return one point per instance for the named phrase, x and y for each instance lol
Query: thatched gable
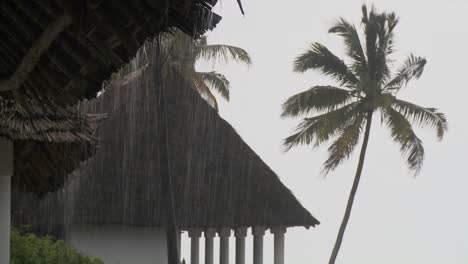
(218, 179)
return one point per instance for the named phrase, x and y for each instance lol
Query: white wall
(121, 244)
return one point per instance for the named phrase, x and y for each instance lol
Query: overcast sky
(396, 218)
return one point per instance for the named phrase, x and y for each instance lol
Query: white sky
(396, 218)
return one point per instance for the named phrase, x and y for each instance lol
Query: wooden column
(209, 246)
(6, 171)
(258, 232)
(278, 232)
(240, 234)
(194, 235)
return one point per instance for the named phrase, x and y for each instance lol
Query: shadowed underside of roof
(87, 40)
(99, 36)
(218, 179)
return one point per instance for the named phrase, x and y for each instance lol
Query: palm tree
(181, 53)
(365, 86)
(186, 52)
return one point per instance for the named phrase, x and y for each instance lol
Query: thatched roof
(49, 141)
(46, 122)
(219, 180)
(88, 40)
(55, 53)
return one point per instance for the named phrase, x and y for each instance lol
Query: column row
(240, 233)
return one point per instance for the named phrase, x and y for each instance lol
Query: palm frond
(378, 29)
(216, 81)
(370, 25)
(353, 44)
(386, 36)
(318, 57)
(401, 131)
(365, 17)
(205, 92)
(344, 145)
(318, 99)
(423, 116)
(384, 45)
(413, 67)
(240, 7)
(320, 128)
(224, 53)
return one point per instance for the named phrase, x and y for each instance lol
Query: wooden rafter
(98, 37)
(32, 57)
(108, 21)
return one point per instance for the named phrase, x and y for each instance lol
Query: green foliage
(316, 99)
(339, 114)
(178, 54)
(30, 249)
(216, 81)
(319, 129)
(186, 52)
(365, 86)
(318, 57)
(224, 53)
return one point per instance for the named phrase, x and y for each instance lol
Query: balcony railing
(240, 235)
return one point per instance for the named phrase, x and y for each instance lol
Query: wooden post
(6, 171)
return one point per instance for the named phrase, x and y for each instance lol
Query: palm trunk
(357, 177)
(167, 194)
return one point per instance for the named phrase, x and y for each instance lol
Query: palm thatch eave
(49, 141)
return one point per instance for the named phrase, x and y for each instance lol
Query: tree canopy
(342, 114)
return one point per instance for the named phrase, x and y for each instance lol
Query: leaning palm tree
(343, 114)
(185, 52)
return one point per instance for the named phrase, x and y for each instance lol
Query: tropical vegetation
(179, 54)
(185, 52)
(343, 114)
(30, 249)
